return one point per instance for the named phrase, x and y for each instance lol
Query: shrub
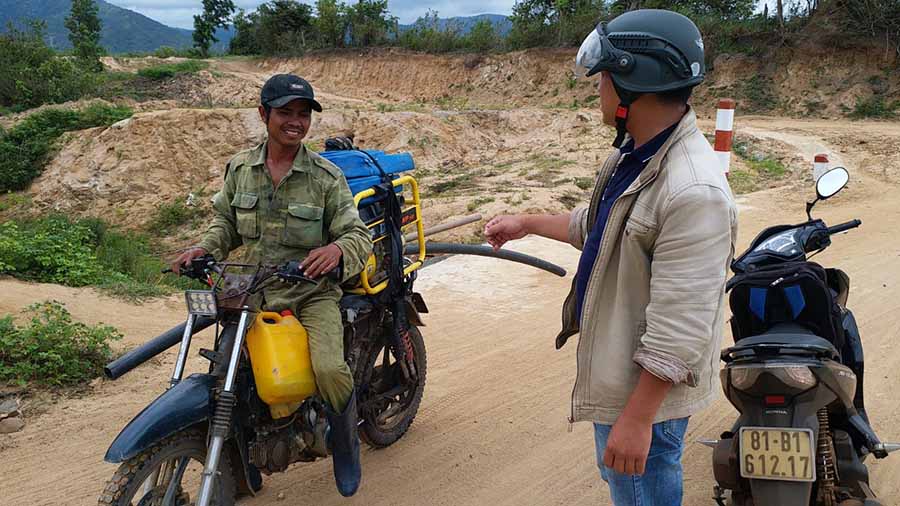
(169, 70)
(52, 349)
(584, 183)
(875, 107)
(172, 215)
(428, 35)
(165, 52)
(55, 249)
(26, 147)
(32, 74)
(52, 250)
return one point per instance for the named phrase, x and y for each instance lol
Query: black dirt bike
(213, 434)
(207, 439)
(795, 375)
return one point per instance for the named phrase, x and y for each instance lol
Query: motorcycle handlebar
(843, 227)
(291, 272)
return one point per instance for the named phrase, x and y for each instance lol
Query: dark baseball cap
(283, 88)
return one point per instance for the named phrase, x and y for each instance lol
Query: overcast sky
(180, 13)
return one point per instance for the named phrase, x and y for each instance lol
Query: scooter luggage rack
(365, 287)
(736, 353)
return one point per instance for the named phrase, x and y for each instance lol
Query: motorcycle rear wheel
(143, 479)
(388, 405)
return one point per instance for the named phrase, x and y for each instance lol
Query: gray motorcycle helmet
(645, 51)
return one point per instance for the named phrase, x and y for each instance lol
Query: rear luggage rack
(770, 350)
(411, 216)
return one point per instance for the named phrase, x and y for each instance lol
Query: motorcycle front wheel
(169, 473)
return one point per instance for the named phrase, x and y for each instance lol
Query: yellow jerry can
(282, 368)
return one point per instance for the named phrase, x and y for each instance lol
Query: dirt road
(492, 428)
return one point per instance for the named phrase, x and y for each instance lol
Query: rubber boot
(344, 443)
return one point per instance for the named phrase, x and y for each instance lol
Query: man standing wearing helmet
(285, 203)
(648, 299)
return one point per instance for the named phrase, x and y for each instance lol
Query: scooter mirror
(831, 182)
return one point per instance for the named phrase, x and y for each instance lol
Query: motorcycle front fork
(221, 421)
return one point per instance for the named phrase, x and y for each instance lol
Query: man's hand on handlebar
(322, 260)
(184, 259)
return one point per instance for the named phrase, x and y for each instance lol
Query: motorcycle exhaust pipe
(118, 367)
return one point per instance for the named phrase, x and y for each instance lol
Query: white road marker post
(725, 132)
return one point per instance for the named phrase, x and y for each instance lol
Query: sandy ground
(492, 427)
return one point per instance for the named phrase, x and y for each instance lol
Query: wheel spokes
(175, 482)
(388, 391)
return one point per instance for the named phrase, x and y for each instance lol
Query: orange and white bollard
(820, 166)
(725, 132)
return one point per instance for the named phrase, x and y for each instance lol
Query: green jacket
(310, 208)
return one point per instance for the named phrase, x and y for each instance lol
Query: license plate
(777, 454)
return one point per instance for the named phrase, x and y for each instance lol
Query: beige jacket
(656, 296)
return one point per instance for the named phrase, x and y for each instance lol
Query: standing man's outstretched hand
(502, 229)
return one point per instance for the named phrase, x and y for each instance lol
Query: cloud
(180, 13)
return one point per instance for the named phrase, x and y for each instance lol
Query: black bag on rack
(796, 292)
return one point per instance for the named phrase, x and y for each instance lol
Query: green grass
(26, 148)
(769, 167)
(545, 170)
(741, 181)
(570, 199)
(170, 216)
(759, 93)
(451, 103)
(875, 107)
(51, 349)
(480, 201)
(169, 70)
(14, 201)
(461, 182)
(761, 168)
(584, 183)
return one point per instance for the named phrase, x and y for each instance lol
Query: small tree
(483, 37)
(285, 27)
(245, 37)
(331, 22)
(84, 27)
(215, 14)
(370, 23)
(31, 74)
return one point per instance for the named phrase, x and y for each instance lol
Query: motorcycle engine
(280, 444)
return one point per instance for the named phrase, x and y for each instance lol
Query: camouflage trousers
(321, 317)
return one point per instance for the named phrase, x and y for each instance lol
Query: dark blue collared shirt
(630, 166)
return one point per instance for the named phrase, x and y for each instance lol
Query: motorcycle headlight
(201, 302)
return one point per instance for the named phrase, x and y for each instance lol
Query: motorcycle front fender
(178, 408)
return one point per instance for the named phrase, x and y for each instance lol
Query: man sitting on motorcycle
(284, 202)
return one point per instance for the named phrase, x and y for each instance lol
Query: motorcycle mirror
(832, 182)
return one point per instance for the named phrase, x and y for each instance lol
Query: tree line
(288, 27)
(32, 74)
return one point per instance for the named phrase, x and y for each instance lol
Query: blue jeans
(661, 484)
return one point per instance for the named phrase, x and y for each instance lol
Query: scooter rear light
(791, 376)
